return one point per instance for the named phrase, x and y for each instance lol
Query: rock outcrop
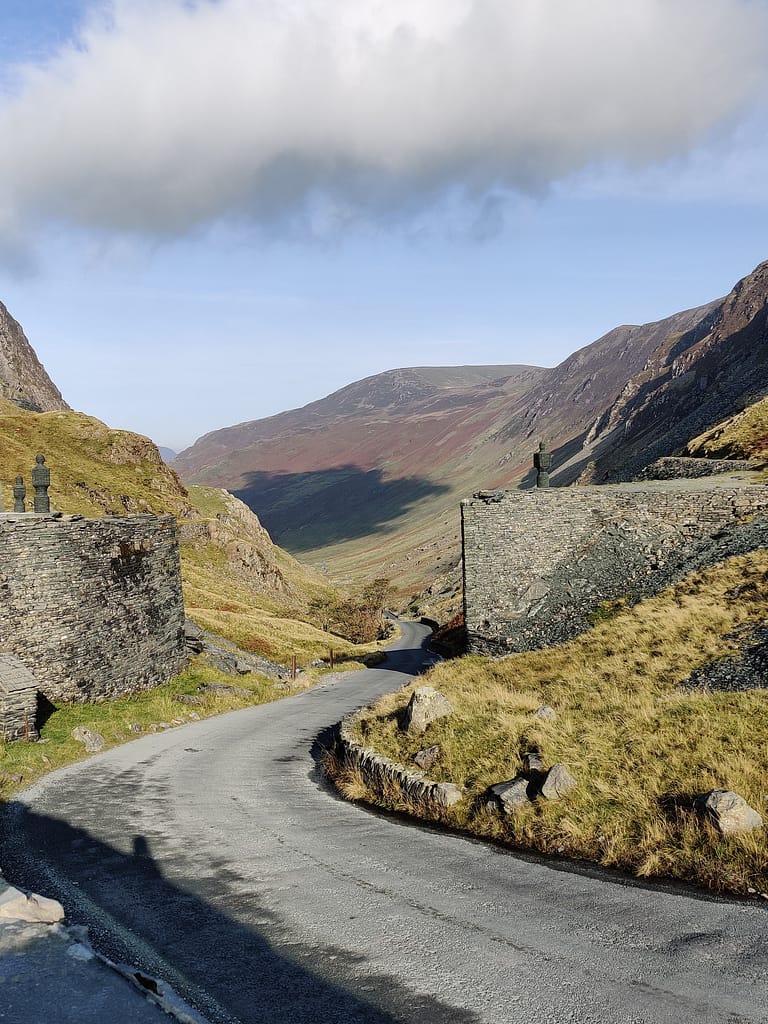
(23, 379)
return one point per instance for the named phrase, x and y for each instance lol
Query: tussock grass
(639, 746)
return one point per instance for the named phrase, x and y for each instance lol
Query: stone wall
(93, 607)
(539, 563)
(677, 467)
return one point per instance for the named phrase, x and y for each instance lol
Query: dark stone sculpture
(19, 494)
(41, 481)
(542, 461)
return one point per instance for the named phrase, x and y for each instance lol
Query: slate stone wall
(679, 467)
(539, 563)
(93, 607)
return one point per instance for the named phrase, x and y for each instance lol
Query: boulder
(511, 796)
(426, 706)
(18, 906)
(557, 783)
(545, 713)
(93, 741)
(729, 812)
(428, 758)
(242, 667)
(135, 727)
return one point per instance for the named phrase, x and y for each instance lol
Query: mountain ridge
(411, 449)
(23, 378)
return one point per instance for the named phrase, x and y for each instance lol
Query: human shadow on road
(221, 946)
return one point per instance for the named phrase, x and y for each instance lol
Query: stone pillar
(19, 495)
(542, 461)
(41, 481)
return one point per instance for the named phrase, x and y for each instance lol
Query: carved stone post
(19, 494)
(41, 481)
(542, 461)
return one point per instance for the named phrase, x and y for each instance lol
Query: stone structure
(18, 700)
(382, 775)
(542, 463)
(41, 481)
(19, 495)
(539, 563)
(92, 606)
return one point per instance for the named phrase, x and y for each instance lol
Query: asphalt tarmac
(215, 857)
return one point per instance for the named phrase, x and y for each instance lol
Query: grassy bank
(639, 745)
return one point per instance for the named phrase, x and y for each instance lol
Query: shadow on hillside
(223, 947)
(303, 511)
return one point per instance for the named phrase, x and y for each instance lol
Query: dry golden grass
(743, 436)
(638, 745)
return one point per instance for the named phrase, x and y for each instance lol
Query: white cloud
(165, 115)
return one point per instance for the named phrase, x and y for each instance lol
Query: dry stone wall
(93, 607)
(539, 563)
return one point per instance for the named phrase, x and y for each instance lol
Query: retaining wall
(539, 563)
(380, 773)
(93, 607)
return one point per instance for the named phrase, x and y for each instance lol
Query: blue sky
(212, 212)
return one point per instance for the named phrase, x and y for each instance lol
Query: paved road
(214, 856)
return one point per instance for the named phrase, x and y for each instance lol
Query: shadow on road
(219, 945)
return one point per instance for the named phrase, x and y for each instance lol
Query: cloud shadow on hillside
(303, 511)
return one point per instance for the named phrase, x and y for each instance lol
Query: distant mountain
(236, 582)
(369, 478)
(23, 379)
(166, 454)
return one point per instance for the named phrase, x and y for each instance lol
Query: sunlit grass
(638, 745)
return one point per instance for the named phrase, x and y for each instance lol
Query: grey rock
(533, 762)
(225, 689)
(426, 706)
(446, 794)
(545, 713)
(194, 716)
(93, 741)
(511, 796)
(428, 758)
(242, 667)
(135, 727)
(729, 812)
(558, 783)
(192, 631)
(12, 777)
(188, 698)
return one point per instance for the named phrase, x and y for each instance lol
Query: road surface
(214, 856)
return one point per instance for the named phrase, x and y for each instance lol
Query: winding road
(214, 856)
